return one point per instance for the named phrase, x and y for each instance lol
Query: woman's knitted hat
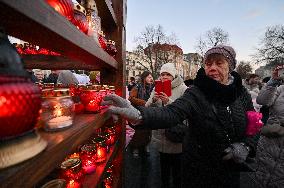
(169, 68)
(227, 51)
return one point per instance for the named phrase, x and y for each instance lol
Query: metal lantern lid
(88, 148)
(99, 140)
(50, 93)
(57, 183)
(71, 163)
(11, 63)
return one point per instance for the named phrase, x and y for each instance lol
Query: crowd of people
(215, 146)
(65, 77)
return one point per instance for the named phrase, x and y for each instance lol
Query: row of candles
(58, 106)
(85, 19)
(31, 49)
(77, 165)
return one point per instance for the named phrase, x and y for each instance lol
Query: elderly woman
(215, 144)
(270, 152)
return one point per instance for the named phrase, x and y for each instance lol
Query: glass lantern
(57, 109)
(88, 157)
(101, 146)
(90, 99)
(108, 180)
(72, 172)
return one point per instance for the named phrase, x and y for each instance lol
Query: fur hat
(227, 51)
(169, 68)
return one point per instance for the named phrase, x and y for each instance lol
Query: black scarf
(144, 91)
(217, 92)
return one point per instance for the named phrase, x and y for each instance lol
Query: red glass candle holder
(48, 85)
(111, 49)
(88, 157)
(108, 138)
(64, 7)
(19, 107)
(80, 19)
(108, 180)
(111, 90)
(72, 172)
(102, 40)
(101, 146)
(73, 184)
(91, 100)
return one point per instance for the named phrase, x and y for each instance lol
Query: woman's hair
(144, 76)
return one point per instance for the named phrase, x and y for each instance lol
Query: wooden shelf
(38, 23)
(54, 63)
(60, 144)
(107, 15)
(92, 180)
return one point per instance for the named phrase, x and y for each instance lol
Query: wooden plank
(60, 144)
(107, 15)
(55, 63)
(38, 23)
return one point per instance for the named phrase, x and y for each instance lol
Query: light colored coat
(270, 152)
(159, 139)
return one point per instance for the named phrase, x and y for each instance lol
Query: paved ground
(144, 172)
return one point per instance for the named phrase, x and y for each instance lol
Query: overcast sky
(244, 20)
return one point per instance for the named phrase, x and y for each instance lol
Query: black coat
(216, 115)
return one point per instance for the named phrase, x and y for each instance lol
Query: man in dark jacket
(215, 146)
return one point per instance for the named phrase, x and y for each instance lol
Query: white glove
(238, 152)
(120, 106)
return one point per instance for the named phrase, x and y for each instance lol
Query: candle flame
(57, 111)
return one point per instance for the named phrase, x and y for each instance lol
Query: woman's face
(149, 79)
(166, 76)
(217, 68)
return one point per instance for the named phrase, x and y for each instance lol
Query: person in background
(131, 84)
(95, 77)
(265, 109)
(216, 145)
(66, 77)
(32, 76)
(253, 85)
(170, 152)
(138, 97)
(38, 74)
(52, 77)
(270, 150)
(81, 77)
(137, 79)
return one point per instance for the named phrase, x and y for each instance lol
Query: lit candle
(101, 154)
(59, 121)
(72, 172)
(88, 157)
(100, 143)
(73, 184)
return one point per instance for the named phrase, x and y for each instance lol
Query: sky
(244, 20)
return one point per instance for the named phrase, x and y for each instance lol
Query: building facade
(186, 64)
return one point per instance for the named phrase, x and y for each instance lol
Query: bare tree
(271, 50)
(244, 69)
(154, 48)
(211, 38)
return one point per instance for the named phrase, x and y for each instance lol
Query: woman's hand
(165, 99)
(275, 75)
(156, 97)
